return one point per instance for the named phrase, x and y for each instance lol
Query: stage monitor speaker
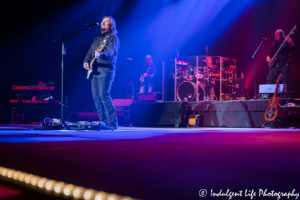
(266, 91)
(123, 111)
(149, 97)
(122, 104)
(240, 87)
(159, 114)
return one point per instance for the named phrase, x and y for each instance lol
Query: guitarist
(147, 78)
(104, 69)
(282, 63)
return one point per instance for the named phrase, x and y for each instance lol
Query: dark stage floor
(158, 163)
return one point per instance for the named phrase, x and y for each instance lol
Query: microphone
(264, 38)
(177, 53)
(206, 49)
(92, 24)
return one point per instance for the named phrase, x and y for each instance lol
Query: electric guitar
(274, 58)
(273, 111)
(143, 76)
(93, 61)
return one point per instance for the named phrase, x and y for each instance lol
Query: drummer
(211, 68)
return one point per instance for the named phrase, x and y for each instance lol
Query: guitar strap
(103, 41)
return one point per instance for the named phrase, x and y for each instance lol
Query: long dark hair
(282, 37)
(113, 25)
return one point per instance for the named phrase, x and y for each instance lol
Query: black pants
(101, 85)
(284, 70)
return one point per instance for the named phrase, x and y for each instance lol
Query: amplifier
(123, 110)
(266, 91)
(149, 97)
(159, 114)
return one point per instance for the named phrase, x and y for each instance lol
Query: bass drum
(187, 91)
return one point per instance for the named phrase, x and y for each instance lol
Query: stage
(231, 114)
(153, 163)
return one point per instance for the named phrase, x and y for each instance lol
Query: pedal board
(82, 125)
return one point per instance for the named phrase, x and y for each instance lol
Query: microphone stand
(63, 39)
(254, 56)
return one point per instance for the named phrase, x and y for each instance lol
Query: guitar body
(89, 72)
(271, 64)
(143, 77)
(273, 111)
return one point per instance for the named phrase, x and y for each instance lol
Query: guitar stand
(271, 124)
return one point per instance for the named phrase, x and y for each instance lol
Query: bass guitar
(273, 111)
(274, 58)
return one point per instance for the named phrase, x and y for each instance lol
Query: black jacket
(283, 54)
(110, 50)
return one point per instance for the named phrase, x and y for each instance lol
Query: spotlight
(87, 195)
(28, 178)
(22, 176)
(4, 172)
(10, 173)
(41, 182)
(112, 197)
(68, 189)
(100, 196)
(34, 180)
(16, 175)
(77, 192)
(58, 188)
(49, 185)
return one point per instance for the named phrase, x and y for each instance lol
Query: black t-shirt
(283, 54)
(152, 71)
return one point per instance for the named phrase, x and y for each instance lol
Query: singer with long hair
(104, 70)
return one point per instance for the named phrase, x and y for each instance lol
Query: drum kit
(190, 78)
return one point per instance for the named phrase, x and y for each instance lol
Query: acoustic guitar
(273, 111)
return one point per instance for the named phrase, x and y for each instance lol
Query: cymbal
(223, 59)
(182, 62)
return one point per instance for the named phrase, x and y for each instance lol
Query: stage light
(41, 182)
(58, 187)
(4, 172)
(10, 173)
(16, 175)
(99, 196)
(49, 185)
(34, 180)
(77, 192)
(68, 189)
(87, 195)
(126, 198)
(22, 176)
(113, 197)
(28, 178)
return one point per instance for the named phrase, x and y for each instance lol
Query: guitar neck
(99, 50)
(276, 91)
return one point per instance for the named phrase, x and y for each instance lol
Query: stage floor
(156, 163)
